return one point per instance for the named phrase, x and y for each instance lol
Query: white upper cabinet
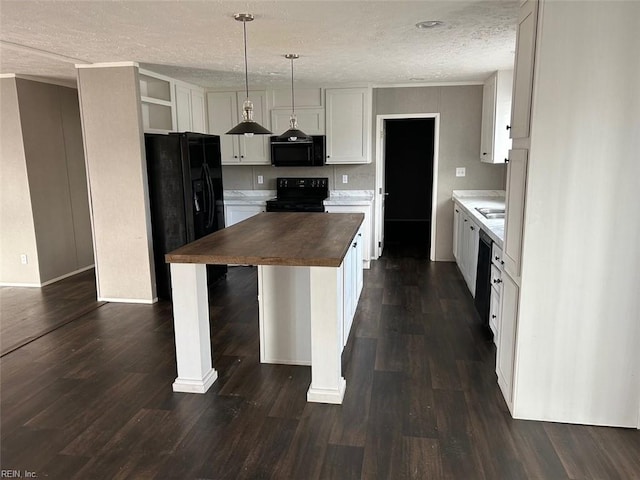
(183, 108)
(156, 102)
(198, 112)
(496, 116)
(348, 125)
(224, 111)
(310, 120)
(524, 67)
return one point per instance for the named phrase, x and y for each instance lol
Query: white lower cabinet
(506, 347)
(466, 238)
(494, 313)
(365, 228)
(236, 213)
(353, 283)
(284, 305)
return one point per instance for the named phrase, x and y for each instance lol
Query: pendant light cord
(246, 65)
(293, 102)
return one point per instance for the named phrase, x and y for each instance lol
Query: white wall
(46, 211)
(460, 109)
(16, 220)
(116, 167)
(579, 330)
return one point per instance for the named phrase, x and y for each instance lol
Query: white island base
(301, 323)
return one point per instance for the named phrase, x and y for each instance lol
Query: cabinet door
(365, 228)
(471, 255)
(198, 112)
(236, 213)
(347, 125)
(506, 348)
(254, 150)
(456, 230)
(310, 120)
(222, 109)
(523, 72)
(359, 270)
(494, 313)
(183, 108)
(488, 119)
(349, 293)
(514, 211)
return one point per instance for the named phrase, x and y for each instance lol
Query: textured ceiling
(199, 42)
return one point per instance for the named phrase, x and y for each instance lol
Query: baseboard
(195, 386)
(128, 300)
(14, 284)
(48, 282)
(67, 275)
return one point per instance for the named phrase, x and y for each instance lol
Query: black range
(299, 194)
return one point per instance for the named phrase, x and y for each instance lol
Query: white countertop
(259, 197)
(349, 197)
(248, 197)
(469, 200)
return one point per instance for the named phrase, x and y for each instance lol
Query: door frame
(380, 164)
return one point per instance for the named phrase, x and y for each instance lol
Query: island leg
(191, 326)
(327, 383)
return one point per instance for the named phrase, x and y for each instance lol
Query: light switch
(345, 178)
(260, 179)
(461, 171)
(24, 259)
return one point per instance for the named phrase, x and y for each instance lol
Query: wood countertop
(276, 238)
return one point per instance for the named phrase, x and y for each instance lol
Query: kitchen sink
(491, 212)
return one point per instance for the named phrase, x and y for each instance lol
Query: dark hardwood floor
(92, 399)
(28, 313)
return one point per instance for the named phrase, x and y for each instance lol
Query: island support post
(191, 326)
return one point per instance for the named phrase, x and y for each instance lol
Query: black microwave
(309, 152)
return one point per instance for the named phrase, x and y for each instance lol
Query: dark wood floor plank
(342, 463)
(309, 443)
(28, 313)
(422, 458)
(93, 398)
(579, 453)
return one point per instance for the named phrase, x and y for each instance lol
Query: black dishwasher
(483, 278)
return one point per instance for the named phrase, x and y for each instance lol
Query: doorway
(408, 156)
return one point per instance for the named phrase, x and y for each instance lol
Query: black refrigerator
(185, 195)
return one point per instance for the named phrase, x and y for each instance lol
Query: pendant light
(293, 134)
(247, 126)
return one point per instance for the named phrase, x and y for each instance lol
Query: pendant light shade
(247, 126)
(293, 134)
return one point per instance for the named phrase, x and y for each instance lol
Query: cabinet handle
(465, 219)
(484, 153)
(506, 160)
(355, 245)
(235, 156)
(472, 228)
(494, 316)
(241, 156)
(497, 258)
(457, 211)
(328, 156)
(497, 280)
(508, 127)
(501, 262)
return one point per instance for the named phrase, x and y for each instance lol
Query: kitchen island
(301, 272)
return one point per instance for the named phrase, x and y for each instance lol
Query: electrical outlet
(260, 179)
(24, 259)
(345, 178)
(461, 171)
